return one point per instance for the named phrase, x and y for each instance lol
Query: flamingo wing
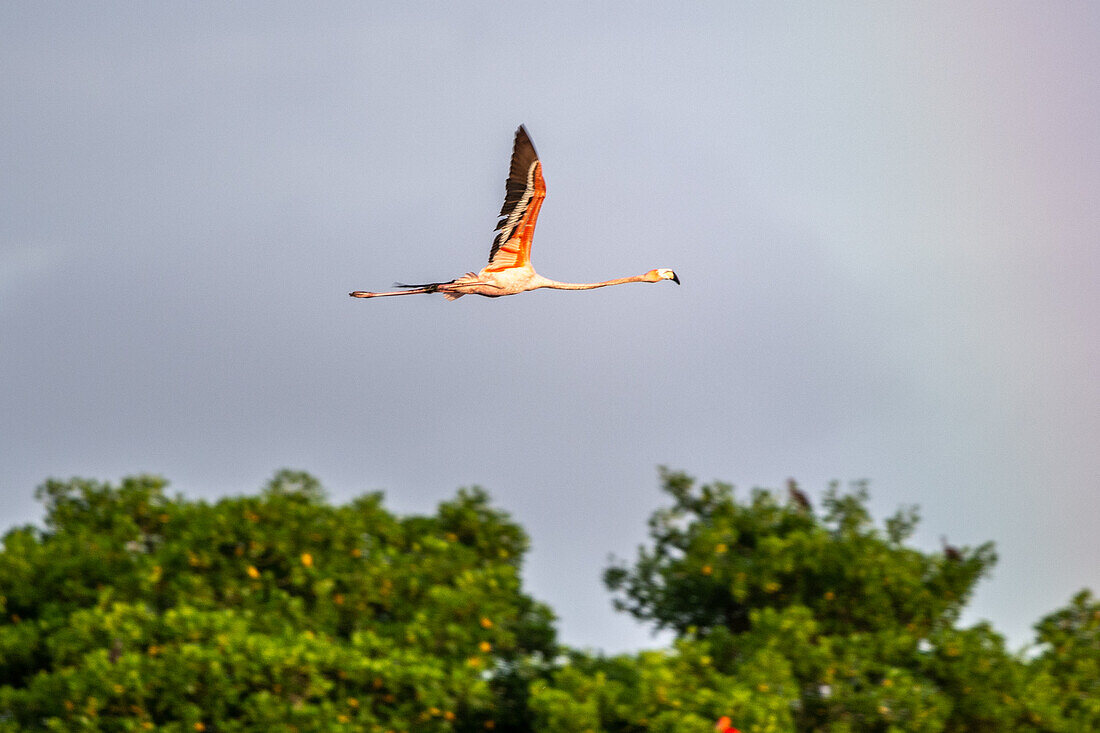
(524, 192)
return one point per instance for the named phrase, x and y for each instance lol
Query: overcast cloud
(884, 217)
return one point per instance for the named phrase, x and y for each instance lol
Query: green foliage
(855, 631)
(679, 691)
(714, 560)
(132, 610)
(136, 611)
(1067, 672)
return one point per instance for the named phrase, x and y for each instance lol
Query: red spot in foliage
(725, 725)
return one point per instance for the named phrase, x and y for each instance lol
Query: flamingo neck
(591, 286)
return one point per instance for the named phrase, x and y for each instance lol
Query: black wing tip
(524, 137)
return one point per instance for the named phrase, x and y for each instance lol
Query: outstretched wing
(524, 192)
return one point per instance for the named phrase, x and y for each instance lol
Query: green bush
(132, 610)
(825, 622)
(136, 611)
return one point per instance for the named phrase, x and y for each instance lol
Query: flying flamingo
(509, 270)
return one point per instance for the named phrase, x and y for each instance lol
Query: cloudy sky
(884, 216)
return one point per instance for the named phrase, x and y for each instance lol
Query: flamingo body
(509, 270)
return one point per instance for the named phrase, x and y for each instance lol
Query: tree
(1066, 672)
(714, 560)
(682, 690)
(132, 610)
(858, 629)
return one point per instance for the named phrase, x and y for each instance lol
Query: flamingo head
(662, 273)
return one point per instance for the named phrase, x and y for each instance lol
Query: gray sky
(884, 217)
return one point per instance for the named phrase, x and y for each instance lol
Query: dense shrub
(132, 610)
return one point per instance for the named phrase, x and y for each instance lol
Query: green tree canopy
(1067, 668)
(133, 610)
(715, 560)
(793, 620)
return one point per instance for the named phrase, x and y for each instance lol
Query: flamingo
(509, 270)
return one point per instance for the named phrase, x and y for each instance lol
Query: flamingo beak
(675, 278)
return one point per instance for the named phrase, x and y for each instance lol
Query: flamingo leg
(365, 294)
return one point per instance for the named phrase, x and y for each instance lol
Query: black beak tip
(675, 278)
